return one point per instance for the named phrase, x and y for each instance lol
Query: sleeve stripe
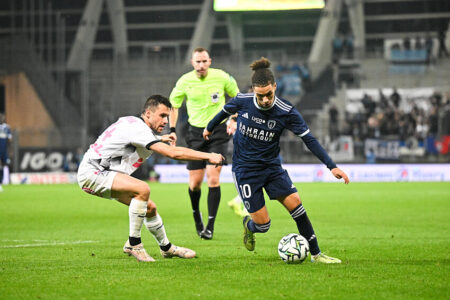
(151, 143)
(304, 133)
(226, 111)
(282, 104)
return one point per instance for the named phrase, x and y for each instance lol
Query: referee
(204, 89)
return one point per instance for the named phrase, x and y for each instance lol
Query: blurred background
(371, 77)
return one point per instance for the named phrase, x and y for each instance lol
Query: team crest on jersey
(215, 97)
(271, 124)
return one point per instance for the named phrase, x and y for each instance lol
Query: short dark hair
(262, 75)
(154, 100)
(200, 49)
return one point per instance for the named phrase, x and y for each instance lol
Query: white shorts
(94, 181)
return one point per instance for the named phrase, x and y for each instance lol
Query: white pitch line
(49, 244)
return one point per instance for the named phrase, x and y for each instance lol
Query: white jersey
(122, 147)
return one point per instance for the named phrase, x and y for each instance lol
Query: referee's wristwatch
(172, 129)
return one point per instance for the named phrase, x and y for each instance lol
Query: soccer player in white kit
(119, 151)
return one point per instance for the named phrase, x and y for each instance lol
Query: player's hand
(216, 159)
(338, 173)
(173, 136)
(231, 127)
(167, 138)
(206, 134)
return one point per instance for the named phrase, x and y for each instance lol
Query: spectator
(333, 116)
(418, 43)
(369, 105)
(429, 47)
(407, 43)
(395, 98)
(370, 156)
(442, 47)
(383, 101)
(338, 47)
(349, 45)
(305, 76)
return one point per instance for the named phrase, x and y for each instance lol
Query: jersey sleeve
(228, 109)
(177, 95)
(232, 106)
(314, 146)
(231, 87)
(296, 123)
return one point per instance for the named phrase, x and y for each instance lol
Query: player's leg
(155, 225)
(249, 187)
(218, 143)
(214, 195)
(134, 193)
(255, 222)
(196, 169)
(295, 207)
(1, 173)
(196, 175)
(293, 204)
(237, 206)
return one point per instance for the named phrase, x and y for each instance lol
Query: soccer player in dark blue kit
(5, 138)
(262, 117)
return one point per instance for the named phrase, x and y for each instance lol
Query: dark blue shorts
(4, 160)
(250, 183)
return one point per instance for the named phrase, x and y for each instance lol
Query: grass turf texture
(393, 239)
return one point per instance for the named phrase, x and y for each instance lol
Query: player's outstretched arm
(222, 115)
(338, 173)
(182, 153)
(168, 138)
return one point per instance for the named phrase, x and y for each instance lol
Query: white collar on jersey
(263, 108)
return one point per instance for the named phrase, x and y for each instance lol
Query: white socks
(137, 212)
(156, 227)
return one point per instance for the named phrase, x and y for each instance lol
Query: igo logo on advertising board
(43, 160)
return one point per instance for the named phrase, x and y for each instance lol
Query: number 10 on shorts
(246, 191)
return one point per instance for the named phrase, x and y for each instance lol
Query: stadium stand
(142, 49)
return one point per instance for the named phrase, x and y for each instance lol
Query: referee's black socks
(195, 199)
(305, 228)
(214, 195)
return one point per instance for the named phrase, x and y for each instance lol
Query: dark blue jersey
(257, 138)
(5, 135)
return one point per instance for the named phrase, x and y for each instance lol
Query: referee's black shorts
(217, 143)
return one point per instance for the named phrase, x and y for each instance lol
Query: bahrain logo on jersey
(255, 133)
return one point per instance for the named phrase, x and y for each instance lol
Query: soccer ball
(293, 248)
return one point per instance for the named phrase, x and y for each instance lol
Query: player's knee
(195, 185)
(143, 192)
(213, 178)
(263, 227)
(213, 182)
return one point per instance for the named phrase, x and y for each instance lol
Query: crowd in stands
(413, 54)
(394, 117)
(343, 46)
(292, 81)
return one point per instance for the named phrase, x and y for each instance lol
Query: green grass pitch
(393, 238)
